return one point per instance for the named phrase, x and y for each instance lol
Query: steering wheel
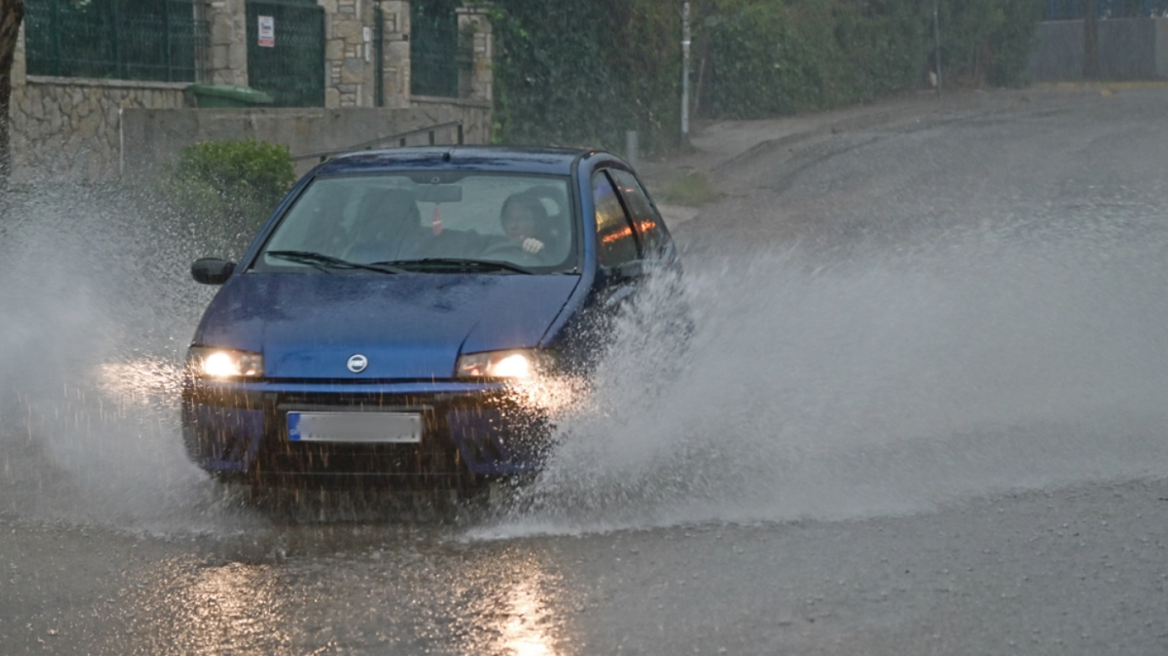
(509, 251)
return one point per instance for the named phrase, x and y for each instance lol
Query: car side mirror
(212, 271)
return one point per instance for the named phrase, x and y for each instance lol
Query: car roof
(553, 161)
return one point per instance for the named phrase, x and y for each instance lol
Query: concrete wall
(1129, 49)
(152, 138)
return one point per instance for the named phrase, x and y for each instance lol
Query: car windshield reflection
(477, 222)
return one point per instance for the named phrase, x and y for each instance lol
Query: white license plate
(362, 427)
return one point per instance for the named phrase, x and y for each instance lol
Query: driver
(524, 221)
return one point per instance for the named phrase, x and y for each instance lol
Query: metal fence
(162, 40)
(439, 57)
(289, 67)
(1076, 9)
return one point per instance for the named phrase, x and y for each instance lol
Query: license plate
(363, 427)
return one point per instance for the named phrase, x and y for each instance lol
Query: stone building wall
(69, 128)
(348, 53)
(72, 128)
(227, 20)
(395, 52)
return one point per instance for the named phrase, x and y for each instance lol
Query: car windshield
(427, 221)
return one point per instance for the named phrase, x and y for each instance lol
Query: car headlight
(211, 362)
(517, 364)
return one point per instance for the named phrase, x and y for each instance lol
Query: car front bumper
(470, 429)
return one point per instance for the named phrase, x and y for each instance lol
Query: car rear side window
(615, 240)
(654, 235)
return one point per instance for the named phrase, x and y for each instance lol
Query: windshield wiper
(461, 264)
(325, 262)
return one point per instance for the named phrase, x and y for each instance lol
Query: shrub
(581, 73)
(228, 188)
(690, 190)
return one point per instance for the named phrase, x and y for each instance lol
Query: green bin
(226, 95)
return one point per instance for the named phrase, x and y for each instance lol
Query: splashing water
(1012, 356)
(96, 314)
(999, 359)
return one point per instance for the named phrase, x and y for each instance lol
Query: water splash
(1023, 353)
(97, 310)
(1012, 356)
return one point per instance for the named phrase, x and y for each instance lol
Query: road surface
(923, 413)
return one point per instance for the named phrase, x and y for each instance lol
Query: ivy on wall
(582, 72)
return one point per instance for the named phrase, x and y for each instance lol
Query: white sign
(267, 31)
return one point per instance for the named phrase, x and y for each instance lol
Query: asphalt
(922, 413)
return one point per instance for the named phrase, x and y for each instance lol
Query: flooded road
(922, 412)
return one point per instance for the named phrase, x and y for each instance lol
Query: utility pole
(937, 42)
(685, 41)
(1091, 41)
(11, 16)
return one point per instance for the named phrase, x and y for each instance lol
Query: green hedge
(581, 73)
(227, 189)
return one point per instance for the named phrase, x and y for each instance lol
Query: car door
(618, 248)
(659, 264)
(657, 249)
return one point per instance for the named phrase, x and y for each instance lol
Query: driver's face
(519, 223)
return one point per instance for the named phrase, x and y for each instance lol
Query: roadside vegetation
(227, 188)
(582, 73)
(692, 189)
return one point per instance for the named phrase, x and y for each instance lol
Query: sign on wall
(267, 25)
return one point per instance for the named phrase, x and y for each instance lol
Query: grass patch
(690, 190)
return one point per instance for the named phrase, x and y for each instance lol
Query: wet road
(924, 414)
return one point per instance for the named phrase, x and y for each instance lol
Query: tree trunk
(11, 15)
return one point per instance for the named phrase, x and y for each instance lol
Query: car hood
(407, 325)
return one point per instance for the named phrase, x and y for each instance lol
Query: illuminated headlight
(517, 364)
(210, 362)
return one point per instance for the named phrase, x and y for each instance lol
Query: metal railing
(401, 138)
(158, 40)
(1076, 9)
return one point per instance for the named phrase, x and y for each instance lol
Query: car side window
(654, 235)
(616, 241)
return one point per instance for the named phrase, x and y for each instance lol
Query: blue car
(382, 320)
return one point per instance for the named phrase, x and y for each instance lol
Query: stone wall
(152, 138)
(69, 128)
(76, 129)
(227, 21)
(395, 53)
(348, 53)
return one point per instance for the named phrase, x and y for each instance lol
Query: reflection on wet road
(339, 590)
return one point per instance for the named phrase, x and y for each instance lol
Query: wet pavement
(1077, 571)
(927, 418)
